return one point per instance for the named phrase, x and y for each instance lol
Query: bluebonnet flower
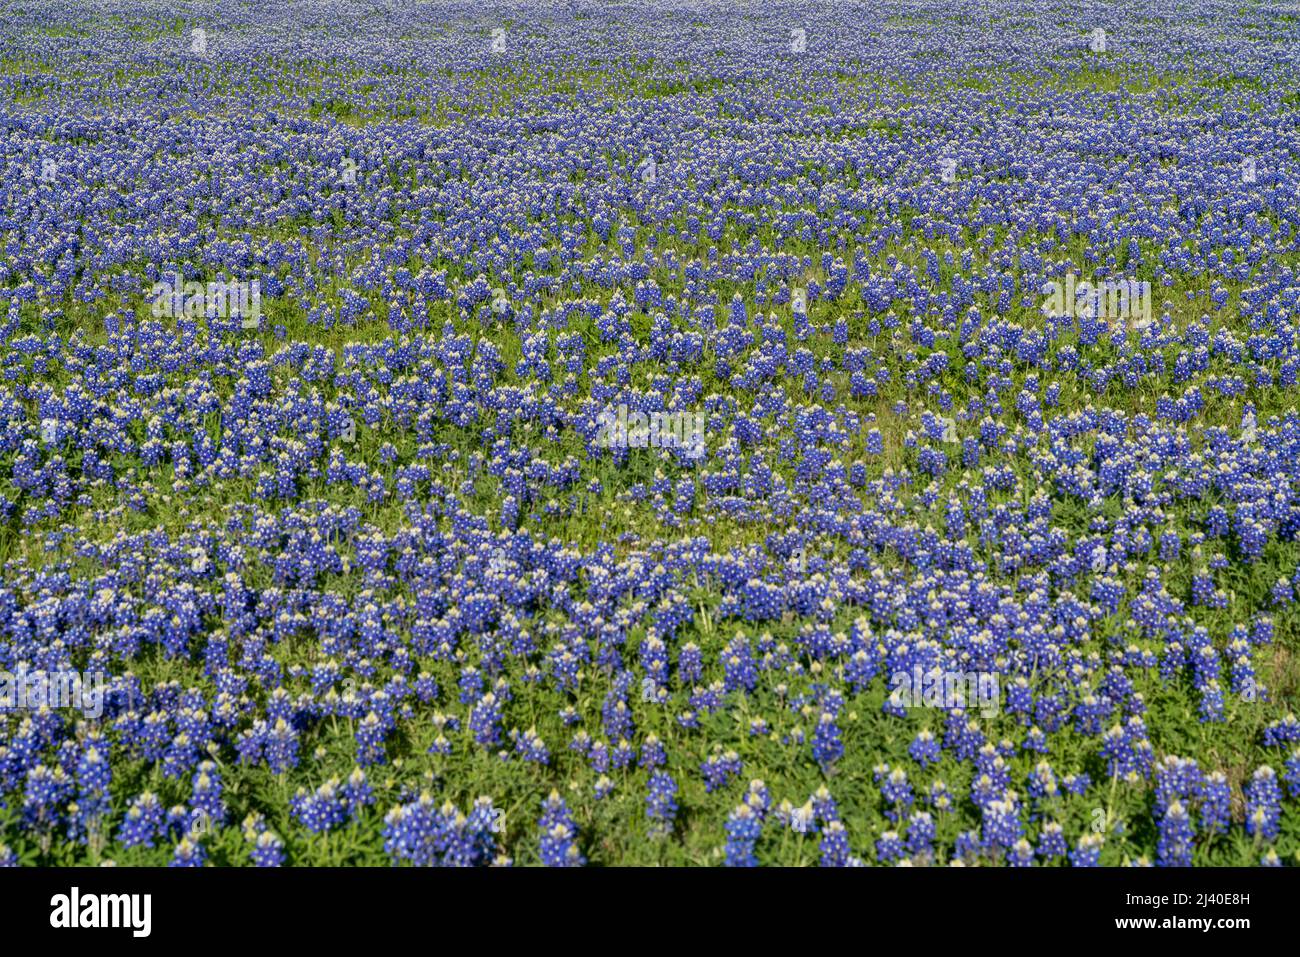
(1087, 853)
(834, 845)
(1021, 854)
(1051, 841)
(720, 769)
(940, 797)
(1216, 812)
(895, 789)
(281, 746)
(45, 796)
(206, 798)
(268, 850)
(1174, 848)
(920, 834)
(661, 801)
(355, 793)
(823, 805)
(1263, 805)
(530, 746)
(1291, 775)
(1001, 827)
(189, 854)
(1283, 731)
(924, 749)
(425, 835)
(370, 734)
(321, 810)
(744, 825)
(558, 840)
(968, 848)
(827, 744)
(143, 823)
(485, 720)
(890, 848)
(652, 752)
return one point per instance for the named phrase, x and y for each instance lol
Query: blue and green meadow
(782, 433)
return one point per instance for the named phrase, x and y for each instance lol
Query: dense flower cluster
(637, 402)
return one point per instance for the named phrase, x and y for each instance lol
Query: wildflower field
(691, 433)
